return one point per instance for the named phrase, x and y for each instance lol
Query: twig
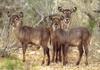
(41, 15)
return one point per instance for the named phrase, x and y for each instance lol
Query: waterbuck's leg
(56, 60)
(64, 54)
(66, 51)
(57, 50)
(86, 53)
(44, 52)
(60, 59)
(48, 55)
(53, 54)
(24, 47)
(80, 48)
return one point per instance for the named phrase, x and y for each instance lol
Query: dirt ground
(34, 59)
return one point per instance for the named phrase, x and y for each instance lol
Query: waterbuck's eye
(16, 18)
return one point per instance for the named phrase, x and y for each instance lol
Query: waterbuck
(66, 13)
(62, 40)
(38, 36)
(60, 19)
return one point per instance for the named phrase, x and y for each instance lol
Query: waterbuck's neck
(18, 28)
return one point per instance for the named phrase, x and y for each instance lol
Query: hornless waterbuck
(66, 13)
(60, 19)
(38, 36)
(62, 40)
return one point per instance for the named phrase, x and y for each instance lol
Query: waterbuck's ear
(60, 9)
(50, 17)
(21, 14)
(74, 9)
(8, 14)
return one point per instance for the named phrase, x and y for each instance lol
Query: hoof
(86, 63)
(56, 61)
(48, 63)
(23, 60)
(2, 55)
(38, 48)
(60, 60)
(42, 63)
(64, 63)
(52, 61)
(77, 63)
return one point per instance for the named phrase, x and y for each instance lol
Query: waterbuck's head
(56, 21)
(67, 12)
(15, 20)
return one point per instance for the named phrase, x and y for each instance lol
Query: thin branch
(90, 16)
(97, 11)
(41, 15)
(85, 11)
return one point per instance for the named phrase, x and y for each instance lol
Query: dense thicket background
(88, 14)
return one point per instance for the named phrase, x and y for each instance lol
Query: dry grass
(34, 59)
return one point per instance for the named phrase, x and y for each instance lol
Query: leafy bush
(11, 64)
(91, 25)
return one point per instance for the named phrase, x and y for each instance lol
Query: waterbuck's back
(72, 37)
(34, 35)
(77, 35)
